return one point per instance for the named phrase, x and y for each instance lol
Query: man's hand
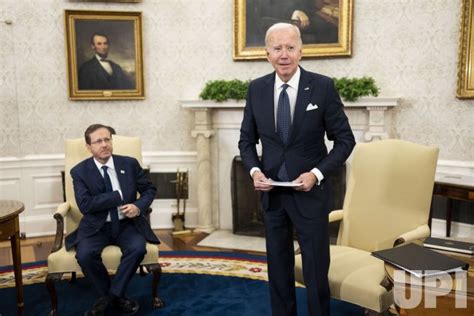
(260, 182)
(130, 210)
(301, 17)
(308, 180)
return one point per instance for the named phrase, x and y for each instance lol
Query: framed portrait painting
(104, 55)
(465, 89)
(325, 26)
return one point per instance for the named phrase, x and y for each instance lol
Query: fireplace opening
(247, 213)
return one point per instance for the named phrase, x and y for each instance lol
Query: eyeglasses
(100, 141)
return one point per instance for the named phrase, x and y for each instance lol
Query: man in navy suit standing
(290, 111)
(105, 188)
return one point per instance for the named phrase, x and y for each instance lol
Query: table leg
(449, 214)
(430, 217)
(16, 254)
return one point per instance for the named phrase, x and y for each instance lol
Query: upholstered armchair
(68, 216)
(387, 203)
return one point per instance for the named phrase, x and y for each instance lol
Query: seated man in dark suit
(106, 187)
(100, 73)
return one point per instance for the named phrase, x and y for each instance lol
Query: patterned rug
(211, 263)
(193, 284)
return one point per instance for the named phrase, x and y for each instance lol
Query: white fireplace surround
(216, 130)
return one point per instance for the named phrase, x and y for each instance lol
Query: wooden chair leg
(51, 279)
(155, 269)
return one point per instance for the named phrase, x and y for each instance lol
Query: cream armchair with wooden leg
(68, 216)
(387, 202)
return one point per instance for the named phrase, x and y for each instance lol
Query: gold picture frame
(465, 89)
(104, 55)
(333, 19)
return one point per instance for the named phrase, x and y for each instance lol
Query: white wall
(409, 46)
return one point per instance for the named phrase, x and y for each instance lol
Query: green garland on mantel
(350, 89)
(222, 90)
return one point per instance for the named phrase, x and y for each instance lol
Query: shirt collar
(99, 58)
(293, 82)
(110, 163)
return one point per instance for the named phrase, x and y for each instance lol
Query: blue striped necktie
(114, 220)
(283, 125)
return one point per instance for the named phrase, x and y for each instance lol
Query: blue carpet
(184, 294)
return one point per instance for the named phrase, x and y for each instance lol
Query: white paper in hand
(284, 184)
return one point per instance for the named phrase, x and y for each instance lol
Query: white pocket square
(311, 107)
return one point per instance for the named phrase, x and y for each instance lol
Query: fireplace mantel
(375, 107)
(216, 130)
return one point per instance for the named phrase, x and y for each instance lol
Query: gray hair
(282, 26)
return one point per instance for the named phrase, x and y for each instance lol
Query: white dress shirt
(105, 65)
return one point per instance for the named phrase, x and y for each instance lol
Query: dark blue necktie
(283, 125)
(114, 220)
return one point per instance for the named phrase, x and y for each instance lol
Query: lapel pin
(306, 89)
(122, 171)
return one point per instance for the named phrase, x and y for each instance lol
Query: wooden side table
(10, 229)
(445, 304)
(453, 187)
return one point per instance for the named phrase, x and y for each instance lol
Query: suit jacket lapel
(100, 70)
(94, 175)
(121, 175)
(269, 104)
(305, 90)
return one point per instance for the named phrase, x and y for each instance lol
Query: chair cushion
(65, 261)
(355, 277)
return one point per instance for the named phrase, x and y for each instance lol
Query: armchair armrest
(63, 209)
(335, 215)
(61, 212)
(419, 232)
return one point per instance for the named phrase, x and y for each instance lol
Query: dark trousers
(313, 238)
(89, 250)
